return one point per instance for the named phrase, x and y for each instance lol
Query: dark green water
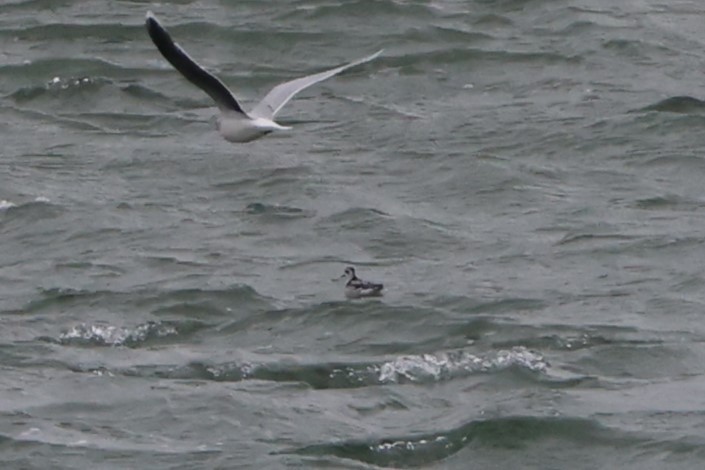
(526, 178)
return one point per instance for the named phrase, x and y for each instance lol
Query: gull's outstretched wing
(188, 67)
(282, 93)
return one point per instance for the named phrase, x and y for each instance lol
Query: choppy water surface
(526, 178)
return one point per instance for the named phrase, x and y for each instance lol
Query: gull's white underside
(234, 127)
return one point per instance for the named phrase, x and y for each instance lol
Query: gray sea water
(525, 176)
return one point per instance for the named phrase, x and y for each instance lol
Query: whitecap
(446, 365)
(115, 336)
(5, 204)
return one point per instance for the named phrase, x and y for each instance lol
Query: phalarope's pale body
(234, 124)
(356, 287)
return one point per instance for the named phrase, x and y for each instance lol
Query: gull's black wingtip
(187, 67)
(152, 24)
(160, 37)
(151, 21)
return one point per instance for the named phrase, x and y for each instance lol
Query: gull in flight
(234, 124)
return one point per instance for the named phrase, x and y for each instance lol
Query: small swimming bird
(356, 287)
(234, 124)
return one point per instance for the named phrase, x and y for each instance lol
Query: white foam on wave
(99, 333)
(116, 336)
(446, 365)
(4, 204)
(58, 83)
(410, 445)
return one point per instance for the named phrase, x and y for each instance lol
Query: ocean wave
(58, 85)
(409, 369)
(277, 213)
(40, 69)
(677, 104)
(204, 303)
(86, 334)
(498, 433)
(39, 208)
(445, 366)
(4, 204)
